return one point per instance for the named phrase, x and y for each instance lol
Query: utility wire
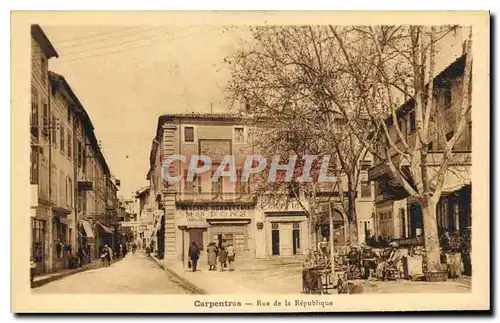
(125, 42)
(108, 38)
(67, 40)
(131, 48)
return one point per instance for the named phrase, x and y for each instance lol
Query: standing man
(194, 254)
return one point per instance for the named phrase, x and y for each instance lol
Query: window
(429, 146)
(365, 164)
(412, 122)
(447, 95)
(84, 158)
(63, 135)
(45, 129)
(69, 114)
(449, 135)
(54, 131)
(239, 135)
(70, 191)
(34, 165)
(216, 187)
(188, 134)
(34, 112)
(241, 187)
(366, 189)
(70, 144)
(43, 65)
(402, 128)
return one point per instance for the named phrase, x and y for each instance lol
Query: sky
(127, 76)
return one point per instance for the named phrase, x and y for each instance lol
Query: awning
(105, 228)
(228, 221)
(88, 229)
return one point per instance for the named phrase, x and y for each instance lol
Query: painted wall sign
(215, 149)
(199, 213)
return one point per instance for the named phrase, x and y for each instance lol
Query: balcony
(434, 159)
(210, 198)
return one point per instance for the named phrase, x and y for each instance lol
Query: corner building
(223, 212)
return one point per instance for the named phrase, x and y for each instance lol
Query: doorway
(296, 237)
(196, 235)
(275, 239)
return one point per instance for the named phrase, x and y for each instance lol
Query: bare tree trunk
(351, 215)
(431, 235)
(332, 250)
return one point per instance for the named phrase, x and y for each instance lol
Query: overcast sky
(127, 76)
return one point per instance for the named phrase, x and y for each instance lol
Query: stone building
(226, 212)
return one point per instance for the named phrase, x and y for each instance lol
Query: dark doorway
(196, 235)
(296, 238)
(276, 239)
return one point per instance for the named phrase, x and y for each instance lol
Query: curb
(53, 278)
(192, 287)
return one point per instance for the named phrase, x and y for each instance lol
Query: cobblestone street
(134, 274)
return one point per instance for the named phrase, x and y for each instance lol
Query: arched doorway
(322, 228)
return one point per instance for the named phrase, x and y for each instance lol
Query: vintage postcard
(250, 161)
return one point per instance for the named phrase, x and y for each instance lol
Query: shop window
(38, 236)
(188, 134)
(239, 241)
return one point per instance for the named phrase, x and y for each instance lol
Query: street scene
(211, 159)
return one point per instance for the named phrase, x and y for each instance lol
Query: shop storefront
(286, 233)
(222, 224)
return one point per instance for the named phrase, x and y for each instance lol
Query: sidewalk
(284, 276)
(41, 280)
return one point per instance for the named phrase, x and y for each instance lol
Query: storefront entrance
(275, 239)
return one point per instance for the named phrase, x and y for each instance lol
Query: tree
(280, 78)
(392, 50)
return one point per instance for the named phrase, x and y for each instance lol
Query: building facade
(398, 216)
(69, 175)
(42, 242)
(227, 212)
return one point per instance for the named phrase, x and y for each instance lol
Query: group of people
(224, 255)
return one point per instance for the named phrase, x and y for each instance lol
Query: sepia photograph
(251, 162)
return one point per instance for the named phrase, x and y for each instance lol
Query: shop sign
(203, 212)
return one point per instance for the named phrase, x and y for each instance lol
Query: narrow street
(134, 274)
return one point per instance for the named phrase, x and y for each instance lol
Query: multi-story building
(42, 242)
(70, 195)
(144, 209)
(227, 212)
(399, 216)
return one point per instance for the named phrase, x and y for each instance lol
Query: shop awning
(88, 229)
(105, 228)
(228, 221)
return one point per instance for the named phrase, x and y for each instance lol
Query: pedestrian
(134, 248)
(222, 258)
(103, 255)
(81, 256)
(212, 256)
(194, 254)
(109, 255)
(231, 254)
